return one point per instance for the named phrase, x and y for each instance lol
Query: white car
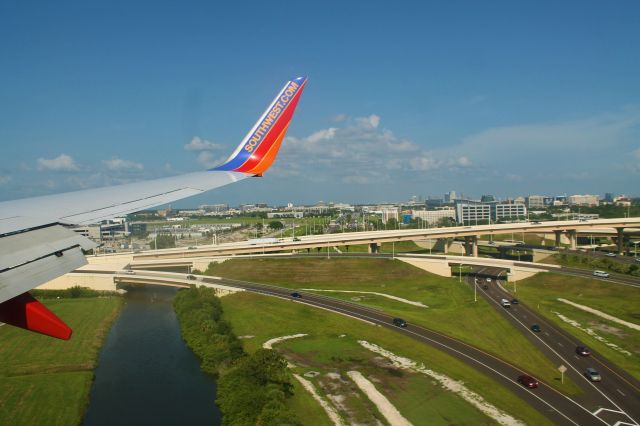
(488, 280)
(505, 303)
(611, 255)
(601, 274)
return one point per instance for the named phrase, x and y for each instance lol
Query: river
(146, 374)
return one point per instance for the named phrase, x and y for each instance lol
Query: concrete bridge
(561, 229)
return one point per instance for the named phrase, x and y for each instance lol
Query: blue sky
(406, 98)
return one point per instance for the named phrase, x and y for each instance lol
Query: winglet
(26, 312)
(259, 148)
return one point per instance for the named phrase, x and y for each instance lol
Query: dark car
(514, 301)
(583, 351)
(399, 322)
(528, 381)
(191, 277)
(535, 328)
(485, 287)
(296, 295)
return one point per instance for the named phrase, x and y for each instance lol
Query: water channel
(146, 374)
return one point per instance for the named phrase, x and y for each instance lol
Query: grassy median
(451, 309)
(45, 381)
(331, 349)
(542, 292)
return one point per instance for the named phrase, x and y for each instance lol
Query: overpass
(569, 228)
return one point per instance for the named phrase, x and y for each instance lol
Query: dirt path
(600, 314)
(331, 412)
(269, 343)
(388, 296)
(386, 408)
(448, 383)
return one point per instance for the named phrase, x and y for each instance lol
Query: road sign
(562, 369)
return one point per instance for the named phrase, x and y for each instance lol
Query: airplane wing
(36, 244)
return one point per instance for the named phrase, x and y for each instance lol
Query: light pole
(475, 289)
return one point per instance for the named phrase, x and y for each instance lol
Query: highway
(592, 408)
(617, 394)
(378, 237)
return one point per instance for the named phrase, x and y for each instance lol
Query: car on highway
(528, 381)
(128, 272)
(296, 295)
(505, 303)
(399, 322)
(592, 374)
(488, 280)
(515, 301)
(535, 328)
(583, 351)
(492, 243)
(601, 274)
(191, 277)
(485, 287)
(191, 248)
(610, 254)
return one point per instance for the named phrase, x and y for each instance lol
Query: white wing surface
(37, 246)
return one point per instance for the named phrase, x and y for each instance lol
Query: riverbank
(45, 380)
(252, 388)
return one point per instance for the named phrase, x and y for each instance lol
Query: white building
(535, 201)
(506, 211)
(470, 212)
(389, 213)
(433, 216)
(584, 200)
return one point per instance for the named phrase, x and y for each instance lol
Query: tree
(164, 241)
(276, 225)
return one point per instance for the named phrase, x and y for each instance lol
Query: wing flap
(39, 256)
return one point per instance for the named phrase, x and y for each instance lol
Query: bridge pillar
(471, 246)
(573, 238)
(442, 244)
(620, 240)
(558, 236)
(374, 248)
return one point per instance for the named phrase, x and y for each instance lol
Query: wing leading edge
(36, 246)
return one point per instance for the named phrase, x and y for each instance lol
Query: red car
(528, 381)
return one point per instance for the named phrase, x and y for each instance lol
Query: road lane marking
(570, 364)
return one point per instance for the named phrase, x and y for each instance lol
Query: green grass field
(331, 348)
(46, 381)
(542, 291)
(451, 311)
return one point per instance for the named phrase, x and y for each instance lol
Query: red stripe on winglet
(26, 312)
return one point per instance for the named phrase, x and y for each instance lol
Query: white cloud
(118, 164)
(208, 159)
(198, 144)
(62, 163)
(358, 152)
